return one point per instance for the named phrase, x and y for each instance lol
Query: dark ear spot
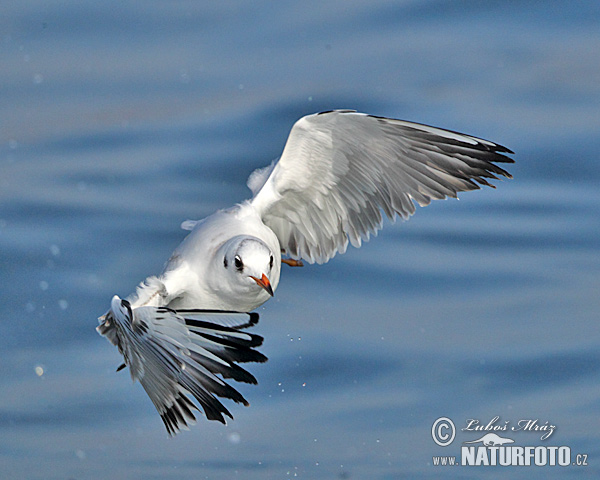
(271, 262)
(225, 261)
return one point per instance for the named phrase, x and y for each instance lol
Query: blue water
(119, 120)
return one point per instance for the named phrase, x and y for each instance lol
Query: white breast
(190, 272)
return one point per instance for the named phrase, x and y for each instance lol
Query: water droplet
(44, 285)
(39, 370)
(235, 438)
(38, 78)
(184, 76)
(63, 304)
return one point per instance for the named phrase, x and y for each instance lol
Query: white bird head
(249, 270)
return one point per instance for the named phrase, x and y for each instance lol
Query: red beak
(264, 283)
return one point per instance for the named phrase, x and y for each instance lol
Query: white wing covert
(341, 169)
(176, 354)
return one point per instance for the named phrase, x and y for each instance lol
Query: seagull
(182, 333)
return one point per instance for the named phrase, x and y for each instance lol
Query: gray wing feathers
(341, 170)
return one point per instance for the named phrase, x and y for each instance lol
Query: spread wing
(340, 170)
(178, 355)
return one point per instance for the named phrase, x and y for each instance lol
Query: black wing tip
(500, 171)
(497, 148)
(253, 317)
(481, 143)
(222, 332)
(337, 110)
(503, 149)
(235, 348)
(179, 415)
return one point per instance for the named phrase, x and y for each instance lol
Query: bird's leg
(292, 263)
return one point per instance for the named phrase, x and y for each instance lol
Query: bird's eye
(225, 261)
(238, 262)
(271, 262)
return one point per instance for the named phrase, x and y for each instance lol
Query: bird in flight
(183, 333)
